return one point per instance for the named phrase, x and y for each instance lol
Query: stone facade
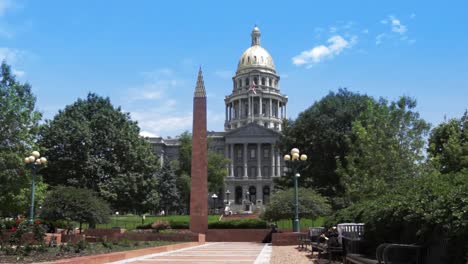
(254, 113)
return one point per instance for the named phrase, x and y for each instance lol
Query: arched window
(238, 195)
(269, 82)
(239, 83)
(242, 60)
(256, 80)
(261, 59)
(263, 81)
(266, 194)
(248, 59)
(252, 194)
(247, 82)
(276, 83)
(255, 59)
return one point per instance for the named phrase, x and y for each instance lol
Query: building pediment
(253, 130)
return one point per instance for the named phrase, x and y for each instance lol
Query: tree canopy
(448, 145)
(321, 132)
(18, 134)
(281, 206)
(90, 144)
(75, 204)
(386, 146)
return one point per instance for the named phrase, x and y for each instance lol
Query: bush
(179, 224)
(239, 224)
(160, 225)
(281, 206)
(413, 209)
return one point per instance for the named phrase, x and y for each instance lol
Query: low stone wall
(236, 235)
(285, 239)
(175, 237)
(116, 256)
(28, 238)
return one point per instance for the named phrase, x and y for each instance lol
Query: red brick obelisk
(199, 174)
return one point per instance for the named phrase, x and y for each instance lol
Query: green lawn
(132, 221)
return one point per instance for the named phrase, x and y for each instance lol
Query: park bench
(347, 229)
(310, 237)
(432, 251)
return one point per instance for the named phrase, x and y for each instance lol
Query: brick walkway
(222, 252)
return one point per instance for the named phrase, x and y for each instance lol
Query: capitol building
(254, 111)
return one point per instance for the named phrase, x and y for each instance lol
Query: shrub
(179, 224)
(160, 225)
(281, 206)
(239, 224)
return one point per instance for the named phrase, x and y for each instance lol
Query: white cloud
(9, 55)
(147, 134)
(154, 86)
(396, 25)
(336, 45)
(379, 39)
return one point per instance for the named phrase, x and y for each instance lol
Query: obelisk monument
(199, 173)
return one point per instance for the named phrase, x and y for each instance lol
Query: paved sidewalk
(222, 252)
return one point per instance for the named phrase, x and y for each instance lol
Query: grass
(132, 221)
(304, 223)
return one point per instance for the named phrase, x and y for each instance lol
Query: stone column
(285, 111)
(245, 162)
(272, 173)
(270, 114)
(277, 108)
(260, 105)
(259, 161)
(278, 164)
(241, 109)
(226, 112)
(231, 146)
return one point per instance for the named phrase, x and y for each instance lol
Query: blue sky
(145, 55)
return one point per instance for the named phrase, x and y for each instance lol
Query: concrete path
(222, 252)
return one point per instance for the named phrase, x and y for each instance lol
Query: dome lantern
(255, 36)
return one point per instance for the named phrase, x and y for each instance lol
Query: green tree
(448, 145)
(90, 144)
(217, 171)
(75, 204)
(281, 206)
(321, 132)
(386, 147)
(168, 193)
(18, 133)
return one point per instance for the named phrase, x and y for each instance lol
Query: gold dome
(256, 56)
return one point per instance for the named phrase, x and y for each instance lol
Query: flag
(252, 87)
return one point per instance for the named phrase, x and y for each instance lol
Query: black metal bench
(432, 251)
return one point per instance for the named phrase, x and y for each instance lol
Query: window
(252, 153)
(239, 85)
(247, 81)
(239, 153)
(239, 172)
(266, 194)
(263, 81)
(252, 194)
(266, 153)
(248, 59)
(261, 59)
(253, 172)
(269, 82)
(242, 60)
(266, 172)
(255, 59)
(255, 80)
(238, 195)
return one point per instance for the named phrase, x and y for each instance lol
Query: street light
(294, 159)
(34, 162)
(227, 196)
(214, 196)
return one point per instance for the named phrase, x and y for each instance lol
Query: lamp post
(227, 197)
(34, 162)
(214, 197)
(294, 159)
